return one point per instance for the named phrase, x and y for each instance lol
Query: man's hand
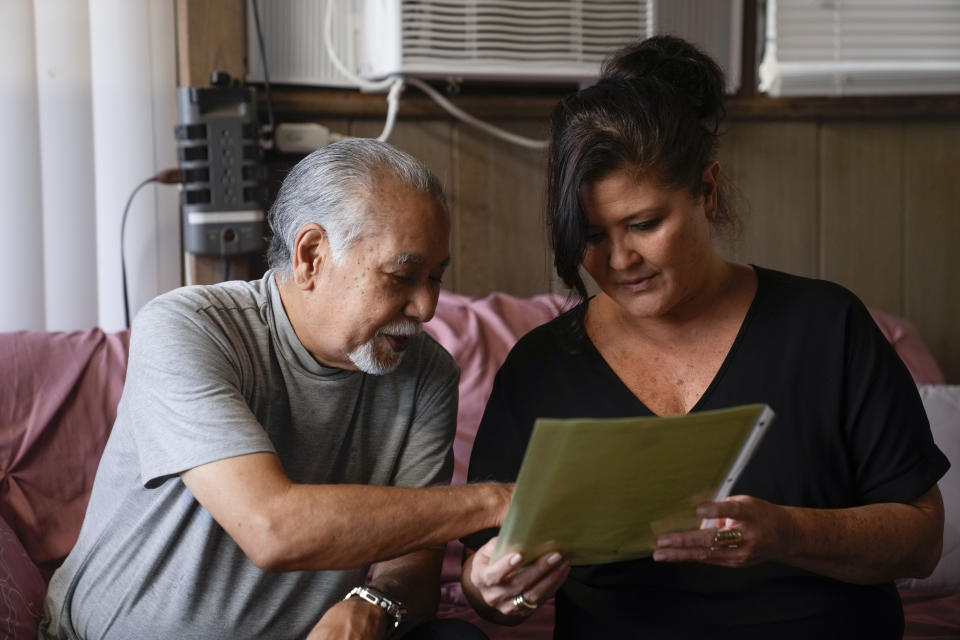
(352, 619)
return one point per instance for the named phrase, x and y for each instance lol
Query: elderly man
(276, 437)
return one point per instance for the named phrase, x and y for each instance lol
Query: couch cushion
(58, 399)
(478, 333)
(942, 403)
(910, 347)
(930, 615)
(21, 588)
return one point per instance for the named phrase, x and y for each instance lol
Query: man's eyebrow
(416, 258)
(407, 258)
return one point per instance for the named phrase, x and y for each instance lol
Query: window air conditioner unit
(549, 41)
(861, 47)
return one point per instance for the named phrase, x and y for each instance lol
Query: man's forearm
(285, 526)
(342, 526)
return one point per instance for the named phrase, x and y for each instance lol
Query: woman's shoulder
(550, 341)
(801, 291)
(564, 331)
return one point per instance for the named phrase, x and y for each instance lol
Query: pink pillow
(58, 400)
(22, 589)
(910, 347)
(478, 333)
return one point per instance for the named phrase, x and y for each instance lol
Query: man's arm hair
(284, 526)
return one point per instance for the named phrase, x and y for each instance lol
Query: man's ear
(311, 251)
(709, 179)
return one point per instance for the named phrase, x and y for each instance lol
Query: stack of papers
(602, 490)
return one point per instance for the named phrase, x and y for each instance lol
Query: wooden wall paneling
(773, 169)
(500, 201)
(431, 142)
(472, 210)
(932, 208)
(861, 210)
(729, 243)
(210, 37)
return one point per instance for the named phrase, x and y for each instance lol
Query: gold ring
(519, 601)
(729, 539)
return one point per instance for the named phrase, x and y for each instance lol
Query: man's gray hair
(335, 187)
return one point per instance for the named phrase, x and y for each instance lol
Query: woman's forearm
(869, 544)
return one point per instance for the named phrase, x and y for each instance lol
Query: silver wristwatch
(393, 608)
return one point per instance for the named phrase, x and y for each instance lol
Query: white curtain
(88, 103)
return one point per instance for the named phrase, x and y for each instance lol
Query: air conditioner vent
(539, 39)
(861, 47)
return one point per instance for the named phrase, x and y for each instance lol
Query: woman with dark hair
(839, 499)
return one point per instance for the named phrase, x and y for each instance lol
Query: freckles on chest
(666, 383)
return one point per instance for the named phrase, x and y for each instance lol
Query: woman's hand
(495, 588)
(766, 533)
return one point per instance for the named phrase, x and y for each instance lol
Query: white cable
(363, 83)
(396, 86)
(394, 83)
(513, 138)
(393, 105)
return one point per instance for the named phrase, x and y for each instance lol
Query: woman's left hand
(765, 534)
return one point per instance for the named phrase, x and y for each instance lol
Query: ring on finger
(729, 539)
(522, 603)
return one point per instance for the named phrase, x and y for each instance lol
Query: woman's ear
(709, 179)
(310, 253)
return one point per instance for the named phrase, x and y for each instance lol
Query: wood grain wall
(871, 204)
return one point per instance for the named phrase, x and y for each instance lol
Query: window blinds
(861, 47)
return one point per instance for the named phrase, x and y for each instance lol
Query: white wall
(62, 42)
(88, 97)
(21, 249)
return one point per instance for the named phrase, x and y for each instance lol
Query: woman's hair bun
(671, 61)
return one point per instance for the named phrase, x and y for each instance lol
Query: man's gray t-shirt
(215, 372)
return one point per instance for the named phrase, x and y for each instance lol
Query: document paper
(602, 490)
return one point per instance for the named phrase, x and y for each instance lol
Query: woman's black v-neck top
(850, 429)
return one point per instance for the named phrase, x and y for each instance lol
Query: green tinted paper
(602, 490)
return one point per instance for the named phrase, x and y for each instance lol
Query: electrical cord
(449, 107)
(263, 63)
(363, 83)
(396, 83)
(167, 176)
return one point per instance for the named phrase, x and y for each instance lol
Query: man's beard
(365, 357)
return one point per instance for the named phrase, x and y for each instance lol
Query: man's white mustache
(401, 328)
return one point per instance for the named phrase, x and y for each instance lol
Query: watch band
(393, 608)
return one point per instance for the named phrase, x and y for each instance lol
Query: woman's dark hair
(656, 110)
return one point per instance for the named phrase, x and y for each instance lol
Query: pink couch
(58, 400)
